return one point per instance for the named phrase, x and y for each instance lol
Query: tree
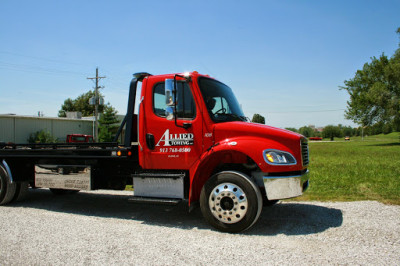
(108, 124)
(332, 132)
(257, 118)
(80, 104)
(375, 92)
(306, 131)
(291, 129)
(348, 131)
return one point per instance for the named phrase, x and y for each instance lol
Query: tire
(21, 191)
(59, 191)
(7, 189)
(230, 202)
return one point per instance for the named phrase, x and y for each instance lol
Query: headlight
(276, 157)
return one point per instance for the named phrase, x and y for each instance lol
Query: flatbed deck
(66, 151)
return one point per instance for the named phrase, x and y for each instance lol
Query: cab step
(148, 200)
(159, 184)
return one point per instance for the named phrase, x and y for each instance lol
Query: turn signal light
(270, 158)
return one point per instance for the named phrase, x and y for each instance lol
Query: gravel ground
(101, 228)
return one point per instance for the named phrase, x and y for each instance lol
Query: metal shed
(16, 128)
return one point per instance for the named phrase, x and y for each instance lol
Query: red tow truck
(189, 141)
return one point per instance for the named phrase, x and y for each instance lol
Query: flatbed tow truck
(189, 141)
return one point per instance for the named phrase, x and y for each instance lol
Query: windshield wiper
(235, 116)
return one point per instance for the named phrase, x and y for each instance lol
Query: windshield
(81, 139)
(220, 100)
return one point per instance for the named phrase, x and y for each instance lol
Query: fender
(8, 170)
(234, 150)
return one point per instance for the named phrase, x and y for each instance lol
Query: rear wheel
(21, 191)
(230, 202)
(7, 189)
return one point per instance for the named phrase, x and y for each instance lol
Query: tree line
(340, 131)
(330, 131)
(335, 131)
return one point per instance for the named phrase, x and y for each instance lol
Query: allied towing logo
(182, 139)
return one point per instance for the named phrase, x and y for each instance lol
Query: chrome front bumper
(284, 187)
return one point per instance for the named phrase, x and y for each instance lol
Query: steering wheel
(221, 111)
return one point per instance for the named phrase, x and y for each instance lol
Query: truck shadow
(292, 218)
(287, 218)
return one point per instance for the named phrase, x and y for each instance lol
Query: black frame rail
(57, 146)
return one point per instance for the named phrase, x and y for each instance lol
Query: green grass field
(358, 169)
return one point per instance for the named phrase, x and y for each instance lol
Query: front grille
(304, 152)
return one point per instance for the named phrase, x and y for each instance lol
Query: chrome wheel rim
(228, 203)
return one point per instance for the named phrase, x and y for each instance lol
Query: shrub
(41, 137)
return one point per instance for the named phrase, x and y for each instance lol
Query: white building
(16, 128)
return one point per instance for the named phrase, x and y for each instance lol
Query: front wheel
(231, 202)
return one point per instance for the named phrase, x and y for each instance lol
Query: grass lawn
(358, 169)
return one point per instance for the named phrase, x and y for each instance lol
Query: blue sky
(283, 59)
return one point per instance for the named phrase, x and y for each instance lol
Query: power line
(40, 58)
(35, 69)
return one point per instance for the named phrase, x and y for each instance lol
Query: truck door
(167, 144)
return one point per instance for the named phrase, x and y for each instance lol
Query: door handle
(187, 125)
(150, 141)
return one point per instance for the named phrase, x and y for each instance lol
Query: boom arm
(128, 120)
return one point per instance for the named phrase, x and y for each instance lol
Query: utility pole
(96, 104)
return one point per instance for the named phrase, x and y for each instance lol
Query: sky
(285, 60)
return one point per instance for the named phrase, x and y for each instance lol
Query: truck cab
(79, 138)
(193, 123)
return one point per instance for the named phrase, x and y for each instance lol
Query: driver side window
(185, 108)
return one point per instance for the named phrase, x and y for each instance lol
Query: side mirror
(169, 99)
(169, 92)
